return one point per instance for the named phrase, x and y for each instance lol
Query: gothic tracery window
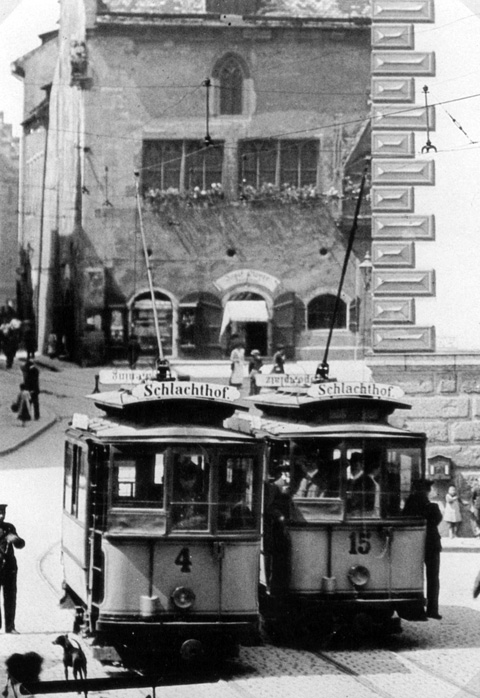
(230, 77)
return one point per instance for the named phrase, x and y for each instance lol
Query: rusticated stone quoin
(435, 430)
(466, 431)
(441, 408)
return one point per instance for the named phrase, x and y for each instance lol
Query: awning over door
(243, 311)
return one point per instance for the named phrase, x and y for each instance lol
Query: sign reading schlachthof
(154, 390)
(355, 389)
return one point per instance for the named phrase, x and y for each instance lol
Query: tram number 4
(183, 560)
(360, 542)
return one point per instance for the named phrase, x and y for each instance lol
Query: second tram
(161, 520)
(337, 549)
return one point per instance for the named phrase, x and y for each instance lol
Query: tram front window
(189, 505)
(138, 479)
(380, 478)
(235, 494)
(333, 479)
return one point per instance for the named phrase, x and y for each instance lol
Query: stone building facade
(248, 169)
(9, 154)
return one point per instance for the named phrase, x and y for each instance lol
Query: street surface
(436, 658)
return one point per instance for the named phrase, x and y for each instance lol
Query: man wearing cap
(8, 569)
(254, 366)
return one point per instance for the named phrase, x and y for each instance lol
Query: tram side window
(235, 494)
(191, 485)
(75, 483)
(138, 480)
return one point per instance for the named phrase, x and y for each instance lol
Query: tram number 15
(360, 542)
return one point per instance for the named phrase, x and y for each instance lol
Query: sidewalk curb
(29, 437)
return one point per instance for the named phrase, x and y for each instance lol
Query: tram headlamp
(183, 598)
(358, 575)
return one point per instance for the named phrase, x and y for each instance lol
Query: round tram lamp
(183, 598)
(358, 575)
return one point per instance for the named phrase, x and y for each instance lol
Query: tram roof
(262, 426)
(112, 430)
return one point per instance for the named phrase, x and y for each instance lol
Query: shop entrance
(245, 314)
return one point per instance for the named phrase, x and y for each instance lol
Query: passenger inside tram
(314, 482)
(235, 494)
(189, 508)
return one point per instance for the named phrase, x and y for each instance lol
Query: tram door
(97, 511)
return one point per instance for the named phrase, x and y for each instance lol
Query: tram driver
(189, 509)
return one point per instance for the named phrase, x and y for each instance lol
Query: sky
(21, 21)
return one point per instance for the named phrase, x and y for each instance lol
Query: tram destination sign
(125, 376)
(281, 380)
(355, 389)
(156, 390)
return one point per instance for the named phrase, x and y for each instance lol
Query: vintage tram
(161, 520)
(338, 551)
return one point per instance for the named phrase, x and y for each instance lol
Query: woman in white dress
(452, 514)
(237, 358)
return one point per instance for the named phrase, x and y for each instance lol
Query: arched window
(320, 313)
(230, 80)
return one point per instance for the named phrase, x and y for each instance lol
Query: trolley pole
(322, 369)
(149, 268)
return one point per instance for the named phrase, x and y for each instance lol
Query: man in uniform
(8, 569)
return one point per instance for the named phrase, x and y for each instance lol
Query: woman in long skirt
(237, 358)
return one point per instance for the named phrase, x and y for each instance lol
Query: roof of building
(333, 9)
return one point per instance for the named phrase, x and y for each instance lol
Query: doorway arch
(247, 314)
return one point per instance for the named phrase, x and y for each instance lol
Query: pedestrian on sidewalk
(475, 507)
(133, 350)
(10, 340)
(31, 381)
(23, 405)
(9, 539)
(418, 504)
(452, 514)
(237, 358)
(279, 361)
(29, 339)
(254, 366)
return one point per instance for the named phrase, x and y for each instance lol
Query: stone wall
(444, 391)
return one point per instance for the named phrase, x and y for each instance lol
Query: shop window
(278, 162)
(320, 313)
(117, 328)
(181, 165)
(143, 323)
(93, 322)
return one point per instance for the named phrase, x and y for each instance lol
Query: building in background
(248, 126)
(9, 156)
